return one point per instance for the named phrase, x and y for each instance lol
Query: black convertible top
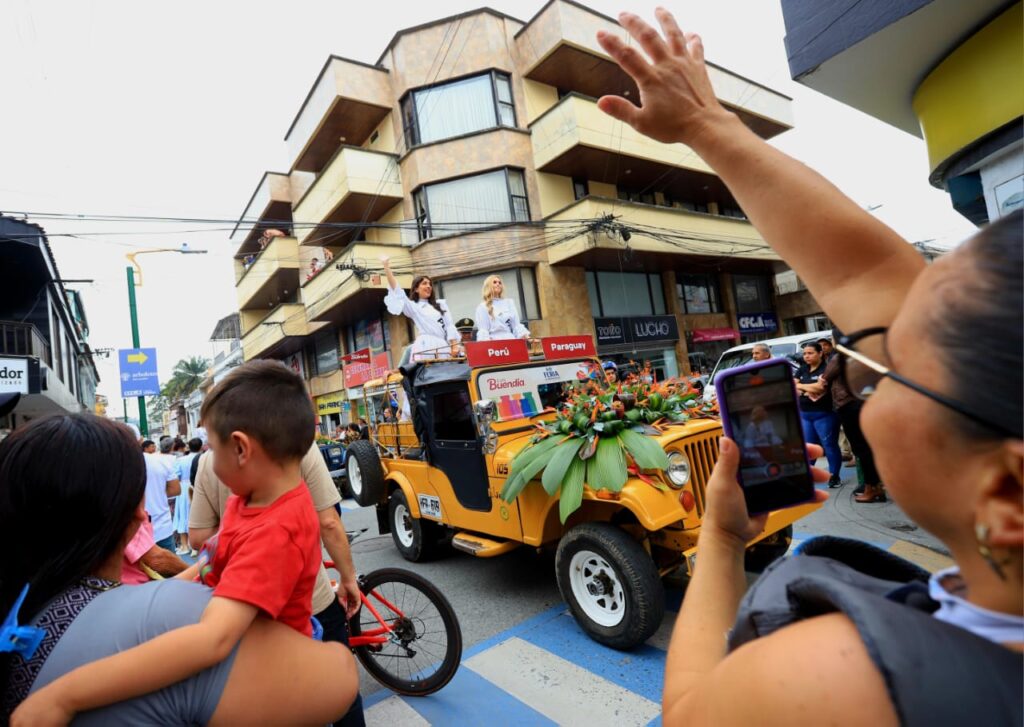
(437, 373)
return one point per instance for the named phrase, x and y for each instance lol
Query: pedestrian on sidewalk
(848, 408)
(162, 484)
(816, 639)
(820, 423)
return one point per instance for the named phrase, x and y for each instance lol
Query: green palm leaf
(646, 451)
(526, 465)
(572, 489)
(606, 470)
(559, 464)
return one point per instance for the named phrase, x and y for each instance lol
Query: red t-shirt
(269, 557)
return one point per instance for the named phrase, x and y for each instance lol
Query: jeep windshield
(525, 391)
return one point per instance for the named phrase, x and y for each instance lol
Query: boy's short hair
(266, 400)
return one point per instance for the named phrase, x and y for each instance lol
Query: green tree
(186, 377)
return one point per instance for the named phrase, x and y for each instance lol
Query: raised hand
(677, 102)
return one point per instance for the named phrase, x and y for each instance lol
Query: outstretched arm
(807, 220)
(392, 280)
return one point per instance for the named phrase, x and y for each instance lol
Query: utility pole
(143, 423)
(184, 250)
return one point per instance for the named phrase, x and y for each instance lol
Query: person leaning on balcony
(435, 330)
(496, 317)
(816, 640)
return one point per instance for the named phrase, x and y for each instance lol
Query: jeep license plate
(430, 506)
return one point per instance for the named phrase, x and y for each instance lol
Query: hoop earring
(981, 532)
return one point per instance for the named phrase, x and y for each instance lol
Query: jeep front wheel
(611, 585)
(365, 475)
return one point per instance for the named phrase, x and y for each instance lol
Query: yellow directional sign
(139, 358)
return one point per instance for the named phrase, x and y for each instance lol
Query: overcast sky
(176, 110)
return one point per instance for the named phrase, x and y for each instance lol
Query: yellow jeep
(438, 483)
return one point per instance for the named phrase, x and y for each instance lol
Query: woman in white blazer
(496, 317)
(436, 335)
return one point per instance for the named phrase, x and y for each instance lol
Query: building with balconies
(473, 145)
(44, 350)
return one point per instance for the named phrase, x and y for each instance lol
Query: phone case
(723, 408)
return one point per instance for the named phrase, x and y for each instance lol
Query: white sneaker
(180, 550)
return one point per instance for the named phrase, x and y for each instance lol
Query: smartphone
(759, 410)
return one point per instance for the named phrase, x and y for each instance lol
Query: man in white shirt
(161, 483)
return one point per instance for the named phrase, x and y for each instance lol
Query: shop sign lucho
(635, 330)
(364, 366)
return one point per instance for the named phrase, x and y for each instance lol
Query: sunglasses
(861, 373)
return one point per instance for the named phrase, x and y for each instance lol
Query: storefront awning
(706, 335)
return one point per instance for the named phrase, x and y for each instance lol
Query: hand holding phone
(760, 414)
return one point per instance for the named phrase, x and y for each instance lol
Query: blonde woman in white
(436, 335)
(496, 317)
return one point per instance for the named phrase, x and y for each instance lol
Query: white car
(784, 347)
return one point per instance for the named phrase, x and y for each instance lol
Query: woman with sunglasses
(859, 636)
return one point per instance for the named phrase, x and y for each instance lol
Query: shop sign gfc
(757, 323)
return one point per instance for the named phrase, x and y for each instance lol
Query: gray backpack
(935, 673)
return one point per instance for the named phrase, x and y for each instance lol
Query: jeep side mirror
(484, 410)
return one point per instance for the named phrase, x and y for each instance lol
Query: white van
(785, 347)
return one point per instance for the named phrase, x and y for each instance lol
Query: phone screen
(765, 423)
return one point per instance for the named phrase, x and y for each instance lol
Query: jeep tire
(364, 473)
(763, 553)
(415, 538)
(611, 585)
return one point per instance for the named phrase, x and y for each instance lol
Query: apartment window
(327, 354)
(733, 212)
(694, 206)
(469, 202)
(625, 294)
(458, 107)
(463, 294)
(636, 195)
(752, 293)
(699, 293)
(580, 188)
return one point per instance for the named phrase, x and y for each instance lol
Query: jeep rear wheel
(416, 539)
(365, 475)
(611, 585)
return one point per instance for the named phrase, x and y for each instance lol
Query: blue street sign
(138, 372)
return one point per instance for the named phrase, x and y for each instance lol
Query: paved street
(525, 660)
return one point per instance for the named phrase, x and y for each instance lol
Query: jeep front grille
(702, 451)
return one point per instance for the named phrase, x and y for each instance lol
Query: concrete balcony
(343, 296)
(574, 138)
(347, 102)
(271, 278)
(656, 230)
(280, 333)
(269, 207)
(357, 185)
(559, 47)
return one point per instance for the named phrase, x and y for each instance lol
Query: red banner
(361, 356)
(568, 347)
(357, 374)
(703, 335)
(495, 353)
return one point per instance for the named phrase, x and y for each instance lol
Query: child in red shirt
(260, 423)
(287, 534)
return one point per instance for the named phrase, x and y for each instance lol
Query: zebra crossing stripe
(559, 689)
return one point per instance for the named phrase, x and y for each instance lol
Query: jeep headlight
(678, 469)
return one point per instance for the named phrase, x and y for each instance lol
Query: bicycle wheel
(424, 649)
